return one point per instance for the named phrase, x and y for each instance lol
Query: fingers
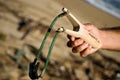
(80, 48)
(78, 42)
(79, 45)
(71, 38)
(86, 52)
(75, 43)
(84, 49)
(70, 43)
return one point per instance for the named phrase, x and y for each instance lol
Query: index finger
(71, 38)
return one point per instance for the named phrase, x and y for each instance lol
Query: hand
(79, 45)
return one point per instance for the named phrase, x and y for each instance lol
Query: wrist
(102, 35)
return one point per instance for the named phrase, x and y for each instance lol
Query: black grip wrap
(33, 67)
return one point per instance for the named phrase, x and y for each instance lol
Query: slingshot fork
(79, 31)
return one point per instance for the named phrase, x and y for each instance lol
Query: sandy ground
(44, 11)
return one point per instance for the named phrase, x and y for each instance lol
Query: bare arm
(110, 39)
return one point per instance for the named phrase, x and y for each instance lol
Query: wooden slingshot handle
(79, 31)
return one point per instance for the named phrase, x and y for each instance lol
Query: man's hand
(79, 45)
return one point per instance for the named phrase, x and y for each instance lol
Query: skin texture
(110, 39)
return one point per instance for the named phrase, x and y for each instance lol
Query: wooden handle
(83, 34)
(79, 30)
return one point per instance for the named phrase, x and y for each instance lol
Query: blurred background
(23, 24)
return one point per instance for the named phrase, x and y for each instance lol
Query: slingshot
(78, 31)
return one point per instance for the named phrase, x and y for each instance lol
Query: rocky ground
(18, 46)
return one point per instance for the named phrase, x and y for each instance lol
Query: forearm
(110, 39)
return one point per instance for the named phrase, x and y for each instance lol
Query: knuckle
(83, 47)
(76, 43)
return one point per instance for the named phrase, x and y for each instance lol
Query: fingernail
(72, 38)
